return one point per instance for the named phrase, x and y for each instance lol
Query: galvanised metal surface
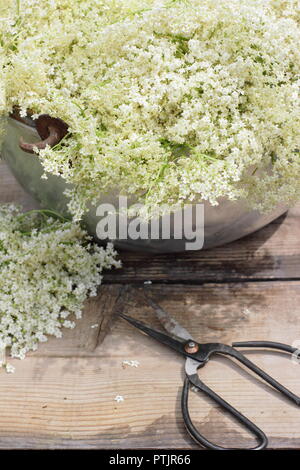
(224, 223)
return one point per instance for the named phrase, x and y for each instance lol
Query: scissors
(197, 355)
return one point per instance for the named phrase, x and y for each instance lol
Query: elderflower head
(131, 363)
(119, 398)
(48, 269)
(10, 369)
(172, 101)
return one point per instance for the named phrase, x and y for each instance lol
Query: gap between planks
(68, 401)
(272, 253)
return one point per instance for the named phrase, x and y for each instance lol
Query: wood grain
(270, 253)
(62, 396)
(63, 401)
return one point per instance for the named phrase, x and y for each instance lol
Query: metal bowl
(224, 223)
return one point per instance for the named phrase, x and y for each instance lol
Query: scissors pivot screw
(191, 347)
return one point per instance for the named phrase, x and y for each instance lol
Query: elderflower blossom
(168, 100)
(131, 363)
(48, 269)
(10, 369)
(119, 398)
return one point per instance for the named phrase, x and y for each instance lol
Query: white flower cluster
(119, 398)
(168, 100)
(131, 363)
(48, 269)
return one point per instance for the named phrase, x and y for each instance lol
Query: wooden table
(62, 396)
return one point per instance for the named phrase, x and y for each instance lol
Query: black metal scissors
(197, 355)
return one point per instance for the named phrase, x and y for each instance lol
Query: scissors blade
(191, 366)
(169, 323)
(167, 340)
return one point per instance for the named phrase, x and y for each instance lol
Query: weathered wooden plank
(63, 394)
(271, 253)
(58, 401)
(90, 330)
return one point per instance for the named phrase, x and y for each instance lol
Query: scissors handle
(265, 344)
(196, 435)
(266, 377)
(194, 380)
